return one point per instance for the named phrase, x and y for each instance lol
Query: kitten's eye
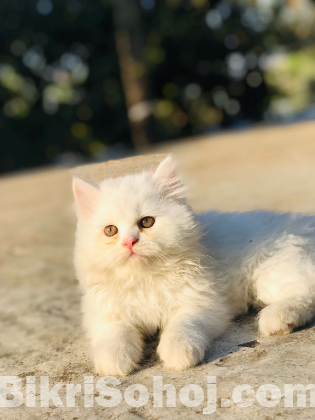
(147, 222)
(110, 230)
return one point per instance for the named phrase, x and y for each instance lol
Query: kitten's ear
(85, 195)
(168, 182)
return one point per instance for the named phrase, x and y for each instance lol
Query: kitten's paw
(277, 319)
(109, 364)
(180, 354)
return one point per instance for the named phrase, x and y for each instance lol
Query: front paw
(180, 353)
(115, 364)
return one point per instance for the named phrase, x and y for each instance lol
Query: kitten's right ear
(86, 196)
(168, 182)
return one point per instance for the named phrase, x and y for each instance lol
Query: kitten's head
(135, 219)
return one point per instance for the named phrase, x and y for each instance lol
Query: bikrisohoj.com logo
(38, 392)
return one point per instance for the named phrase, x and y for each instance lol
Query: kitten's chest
(142, 302)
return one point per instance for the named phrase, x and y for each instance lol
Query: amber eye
(110, 230)
(147, 222)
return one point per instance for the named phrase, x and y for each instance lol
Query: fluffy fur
(189, 273)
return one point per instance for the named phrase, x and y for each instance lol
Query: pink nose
(129, 243)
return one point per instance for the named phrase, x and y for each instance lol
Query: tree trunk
(129, 45)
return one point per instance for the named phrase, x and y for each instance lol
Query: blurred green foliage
(209, 65)
(59, 82)
(293, 79)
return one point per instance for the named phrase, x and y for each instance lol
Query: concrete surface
(40, 334)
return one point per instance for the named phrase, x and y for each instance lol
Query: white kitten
(142, 279)
(145, 262)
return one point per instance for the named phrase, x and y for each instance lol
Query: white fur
(190, 274)
(265, 260)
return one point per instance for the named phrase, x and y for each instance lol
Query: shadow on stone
(243, 332)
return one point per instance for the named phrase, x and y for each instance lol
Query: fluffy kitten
(145, 262)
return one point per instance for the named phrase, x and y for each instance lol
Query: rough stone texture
(40, 332)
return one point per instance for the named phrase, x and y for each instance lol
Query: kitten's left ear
(86, 196)
(168, 182)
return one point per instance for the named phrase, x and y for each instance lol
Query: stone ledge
(96, 172)
(40, 302)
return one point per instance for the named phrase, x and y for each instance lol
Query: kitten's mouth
(133, 254)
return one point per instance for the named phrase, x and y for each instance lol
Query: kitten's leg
(187, 335)
(117, 349)
(116, 346)
(285, 284)
(285, 315)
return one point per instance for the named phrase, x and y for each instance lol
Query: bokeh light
(78, 78)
